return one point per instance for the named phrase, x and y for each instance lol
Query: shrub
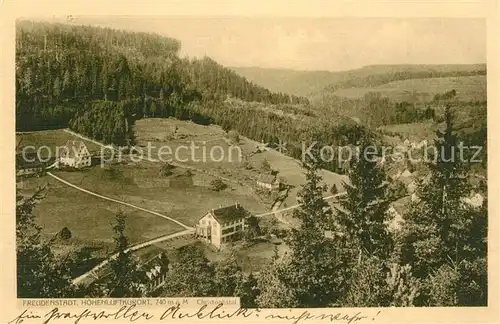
(218, 185)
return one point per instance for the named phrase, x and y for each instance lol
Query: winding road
(187, 229)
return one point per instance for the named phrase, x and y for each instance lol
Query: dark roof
(30, 160)
(229, 213)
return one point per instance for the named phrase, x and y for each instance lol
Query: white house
(268, 182)
(223, 225)
(422, 144)
(156, 271)
(28, 165)
(75, 154)
(396, 211)
(475, 200)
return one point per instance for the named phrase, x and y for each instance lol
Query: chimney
(237, 205)
(220, 206)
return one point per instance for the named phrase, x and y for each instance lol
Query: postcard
(281, 162)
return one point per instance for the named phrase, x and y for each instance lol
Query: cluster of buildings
(410, 180)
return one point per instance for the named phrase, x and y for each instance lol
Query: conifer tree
(315, 269)
(362, 215)
(126, 279)
(443, 236)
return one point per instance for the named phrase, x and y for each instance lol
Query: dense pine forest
(98, 81)
(61, 68)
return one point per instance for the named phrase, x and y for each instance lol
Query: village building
(422, 144)
(396, 211)
(475, 200)
(415, 197)
(409, 181)
(268, 181)
(223, 225)
(156, 271)
(28, 165)
(75, 154)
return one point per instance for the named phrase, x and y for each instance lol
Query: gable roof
(401, 205)
(73, 147)
(229, 213)
(406, 173)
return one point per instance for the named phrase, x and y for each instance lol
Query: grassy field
(50, 138)
(412, 131)
(90, 219)
(469, 88)
(288, 168)
(180, 196)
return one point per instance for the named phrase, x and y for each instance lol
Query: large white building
(75, 154)
(222, 226)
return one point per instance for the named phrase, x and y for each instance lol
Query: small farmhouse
(156, 271)
(268, 181)
(223, 225)
(396, 211)
(28, 165)
(474, 200)
(75, 154)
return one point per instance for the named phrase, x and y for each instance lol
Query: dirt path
(93, 272)
(297, 206)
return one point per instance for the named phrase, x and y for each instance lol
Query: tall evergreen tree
(443, 236)
(126, 279)
(362, 216)
(314, 270)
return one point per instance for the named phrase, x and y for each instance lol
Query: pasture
(51, 139)
(90, 219)
(469, 88)
(236, 170)
(412, 131)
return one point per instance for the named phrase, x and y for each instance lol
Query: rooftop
(229, 213)
(73, 147)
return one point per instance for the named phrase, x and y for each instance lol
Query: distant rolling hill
(469, 88)
(316, 83)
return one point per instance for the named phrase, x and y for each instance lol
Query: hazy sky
(316, 43)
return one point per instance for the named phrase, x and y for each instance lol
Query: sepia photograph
(289, 162)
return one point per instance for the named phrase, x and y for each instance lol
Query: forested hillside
(98, 81)
(316, 83)
(59, 68)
